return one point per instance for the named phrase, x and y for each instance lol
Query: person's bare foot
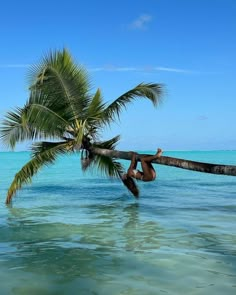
(159, 152)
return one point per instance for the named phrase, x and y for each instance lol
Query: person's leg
(133, 164)
(149, 173)
(151, 158)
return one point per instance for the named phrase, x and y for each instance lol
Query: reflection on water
(110, 249)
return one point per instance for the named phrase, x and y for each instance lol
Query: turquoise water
(75, 233)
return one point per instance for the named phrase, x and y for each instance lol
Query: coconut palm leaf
(31, 122)
(105, 164)
(108, 144)
(51, 147)
(16, 128)
(44, 155)
(95, 111)
(96, 106)
(108, 166)
(94, 116)
(63, 81)
(43, 116)
(153, 92)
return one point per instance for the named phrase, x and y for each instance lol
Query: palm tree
(174, 162)
(65, 116)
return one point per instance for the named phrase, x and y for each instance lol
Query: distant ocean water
(75, 233)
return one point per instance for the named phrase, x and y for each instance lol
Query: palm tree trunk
(170, 161)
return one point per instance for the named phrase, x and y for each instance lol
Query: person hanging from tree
(148, 172)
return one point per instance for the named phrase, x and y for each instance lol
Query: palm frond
(45, 155)
(108, 144)
(16, 128)
(65, 82)
(50, 147)
(43, 117)
(94, 115)
(96, 106)
(152, 92)
(108, 166)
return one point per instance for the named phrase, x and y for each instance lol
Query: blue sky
(187, 45)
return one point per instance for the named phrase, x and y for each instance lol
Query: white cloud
(112, 68)
(141, 22)
(146, 69)
(176, 70)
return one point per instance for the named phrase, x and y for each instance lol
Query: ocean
(75, 233)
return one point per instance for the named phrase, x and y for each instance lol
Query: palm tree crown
(65, 116)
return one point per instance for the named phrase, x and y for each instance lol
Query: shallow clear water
(70, 233)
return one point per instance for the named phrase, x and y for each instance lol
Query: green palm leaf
(108, 166)
(65, 83)
(43, 117)
(44, 154)
(108, 144)
(51, 148)
(16, 128)
(95, 110)
(153, 92)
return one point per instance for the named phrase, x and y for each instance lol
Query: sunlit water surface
(75, 233)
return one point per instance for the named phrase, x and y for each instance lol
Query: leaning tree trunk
(176, 162)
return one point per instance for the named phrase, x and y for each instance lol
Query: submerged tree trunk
(176, 162)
